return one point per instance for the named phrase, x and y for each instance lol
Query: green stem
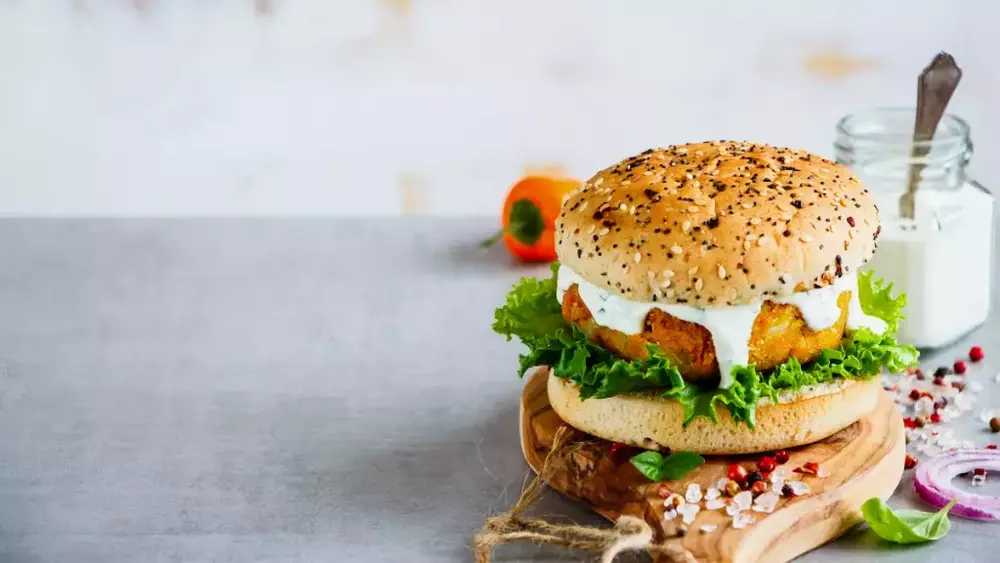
(511, 228)
(493, 239)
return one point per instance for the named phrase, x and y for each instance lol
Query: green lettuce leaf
(533, 314)
(531, 310)
(877, 300)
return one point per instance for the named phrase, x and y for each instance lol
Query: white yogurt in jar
(941, 260)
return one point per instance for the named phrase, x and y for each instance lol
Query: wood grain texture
(863, 460)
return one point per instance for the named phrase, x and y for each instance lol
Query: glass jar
(942, 258)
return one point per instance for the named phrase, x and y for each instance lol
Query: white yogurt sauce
(731, 326)
(941, 260)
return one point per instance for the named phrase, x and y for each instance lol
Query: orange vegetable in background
(529, 215)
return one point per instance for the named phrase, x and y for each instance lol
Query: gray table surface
(280, 390)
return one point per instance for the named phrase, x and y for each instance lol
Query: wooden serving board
(863, 460)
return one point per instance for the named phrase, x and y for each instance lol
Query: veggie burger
(708, 298)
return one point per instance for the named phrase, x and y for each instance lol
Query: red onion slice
(932, 481)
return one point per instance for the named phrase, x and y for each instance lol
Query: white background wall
(436, 106)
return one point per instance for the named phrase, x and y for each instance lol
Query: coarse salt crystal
(715, 504)
(822, 472)
(799, 488)
(670, 514)
(766, 502)
(965, 401)
(732, 509)
(673, 500)
(688, 512)
(721, 483)
(709, 528)
(741, 521)
(976, 386)
(924, 406)
(693, 493)
(932, 450)
(743, 500)
(985, 415)
(978, 480)
(779, 474)
(712, 493)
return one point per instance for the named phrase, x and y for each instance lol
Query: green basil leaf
(906, 526)
(648, 463)
(657, 468)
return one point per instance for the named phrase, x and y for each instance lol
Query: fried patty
(779, 333)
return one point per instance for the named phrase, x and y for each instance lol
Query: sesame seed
(761, 241)
(665, 284)
(692, 209)
(598, 181)
(638, 257)
(698, 284)
(685, 226)
(805, 238)
(591, 229)
(747, 205)
(722, 272)
(755, 221)
(676, 249)
(751, 236)
(746, 245)
(584, 205)
(623, 207)
(693, 271)
(668, 273)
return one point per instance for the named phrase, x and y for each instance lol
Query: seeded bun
(718, 223)
(648, 421)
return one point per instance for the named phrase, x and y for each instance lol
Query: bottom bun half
(651, 422)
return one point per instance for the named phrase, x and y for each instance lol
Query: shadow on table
(469, 256)
(438, 490)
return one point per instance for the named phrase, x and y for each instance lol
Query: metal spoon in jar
(935, 85)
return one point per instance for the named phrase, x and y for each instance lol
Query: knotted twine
(628, 534)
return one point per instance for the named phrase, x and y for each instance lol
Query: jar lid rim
(951, 128)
